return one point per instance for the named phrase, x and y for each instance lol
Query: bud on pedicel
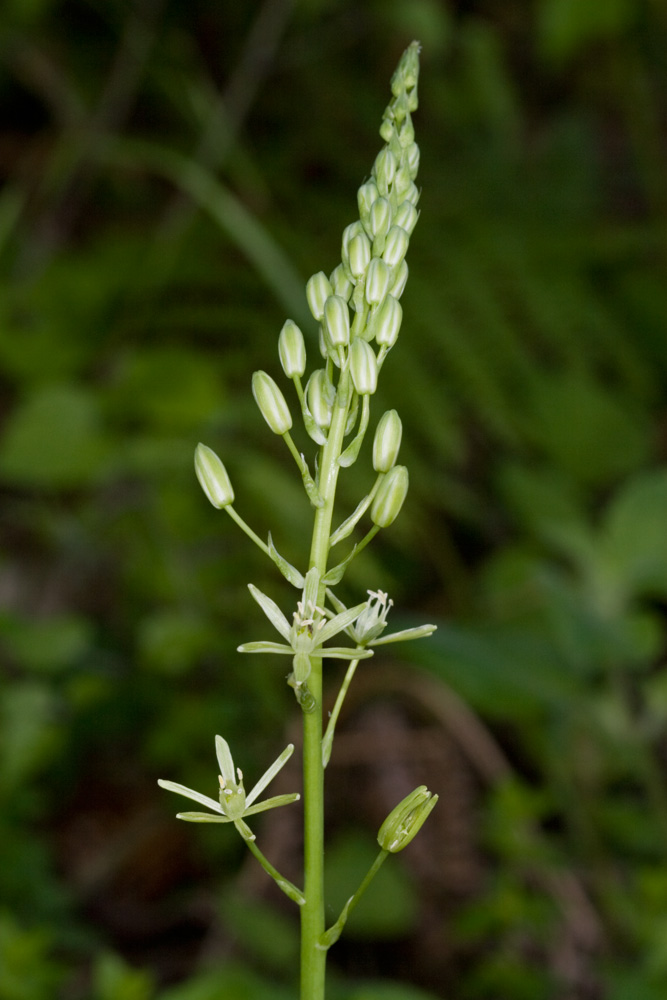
(366, 195)
(384, 169)
(337, 320)
(400, 280)
(292, 349)
(387, 322)
(340, 283)
(363, 367)
(412, 194)
(359, 251)
(390, 496)
(387, 441)
(380, 218)
(320, 395)
(413, 155)
(406, 820)
(406, 217)
(396, 246)
(377, 281)
(271, 403)
(318, 291)
(213, 477)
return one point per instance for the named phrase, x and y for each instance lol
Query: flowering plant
(359, 314)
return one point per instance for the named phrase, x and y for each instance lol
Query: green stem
(313, 956)
(287, 887)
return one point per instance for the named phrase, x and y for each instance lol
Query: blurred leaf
(46, 644)
(54, 440)
(113, 979)
(265, 933)
(566, 26)
(234, 981)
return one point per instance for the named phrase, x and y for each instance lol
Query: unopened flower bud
(396, 246)
(271, 403)
(366, 195)
(387, 441)
(363, 367)
(377, 281)
(412, 194)
(406, 820)
(292, 350)
(380, 218)
(406, 217)
(213, 477)
(402, 182)
(384, 169)
(413, 155)
(337, 320)
(340, 283)
(400, 280)
(406, 73)
(320, 395)
(348, 234)
(387, 322)
(318, 291)
(390, 496)
(359, 251)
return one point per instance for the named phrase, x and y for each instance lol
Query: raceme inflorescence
(359, 313)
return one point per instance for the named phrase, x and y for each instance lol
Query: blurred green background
(171, 175)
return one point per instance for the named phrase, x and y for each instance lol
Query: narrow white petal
(272, 611)
(270, 774)
(225, 762)
(340, 622)
(189, 793)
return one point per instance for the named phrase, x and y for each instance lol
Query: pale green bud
(271, 403)
(348, 234)
(396, 246)
(363, 367)
(380, 218)
(387, 441)
(406, 133)
(377, 281)
(337, 320)
(387, 127)
(292, 350)
(412, 155)
(406, 217)
(402, 182)
(384, 169)
(366, 195)
(406, 820)
(318, 291)
(359, 251)
(390, 496)
(406, 73)
(340, 283)
(213, 477)
(320, 395)
(412, 194)
(400, 280)
(387, 322)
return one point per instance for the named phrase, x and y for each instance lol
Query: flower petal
(189, 793)
(340, 622)
(225, 762)
(265, 647)
(270, 774)
(419, 632)
(202, 818)
(272, 611)
(277, 800)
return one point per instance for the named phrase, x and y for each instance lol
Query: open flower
(367, 628)
(309, 630)
(233, 804)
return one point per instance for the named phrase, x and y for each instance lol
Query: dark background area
(171, 175)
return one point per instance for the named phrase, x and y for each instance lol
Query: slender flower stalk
(359, 315)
